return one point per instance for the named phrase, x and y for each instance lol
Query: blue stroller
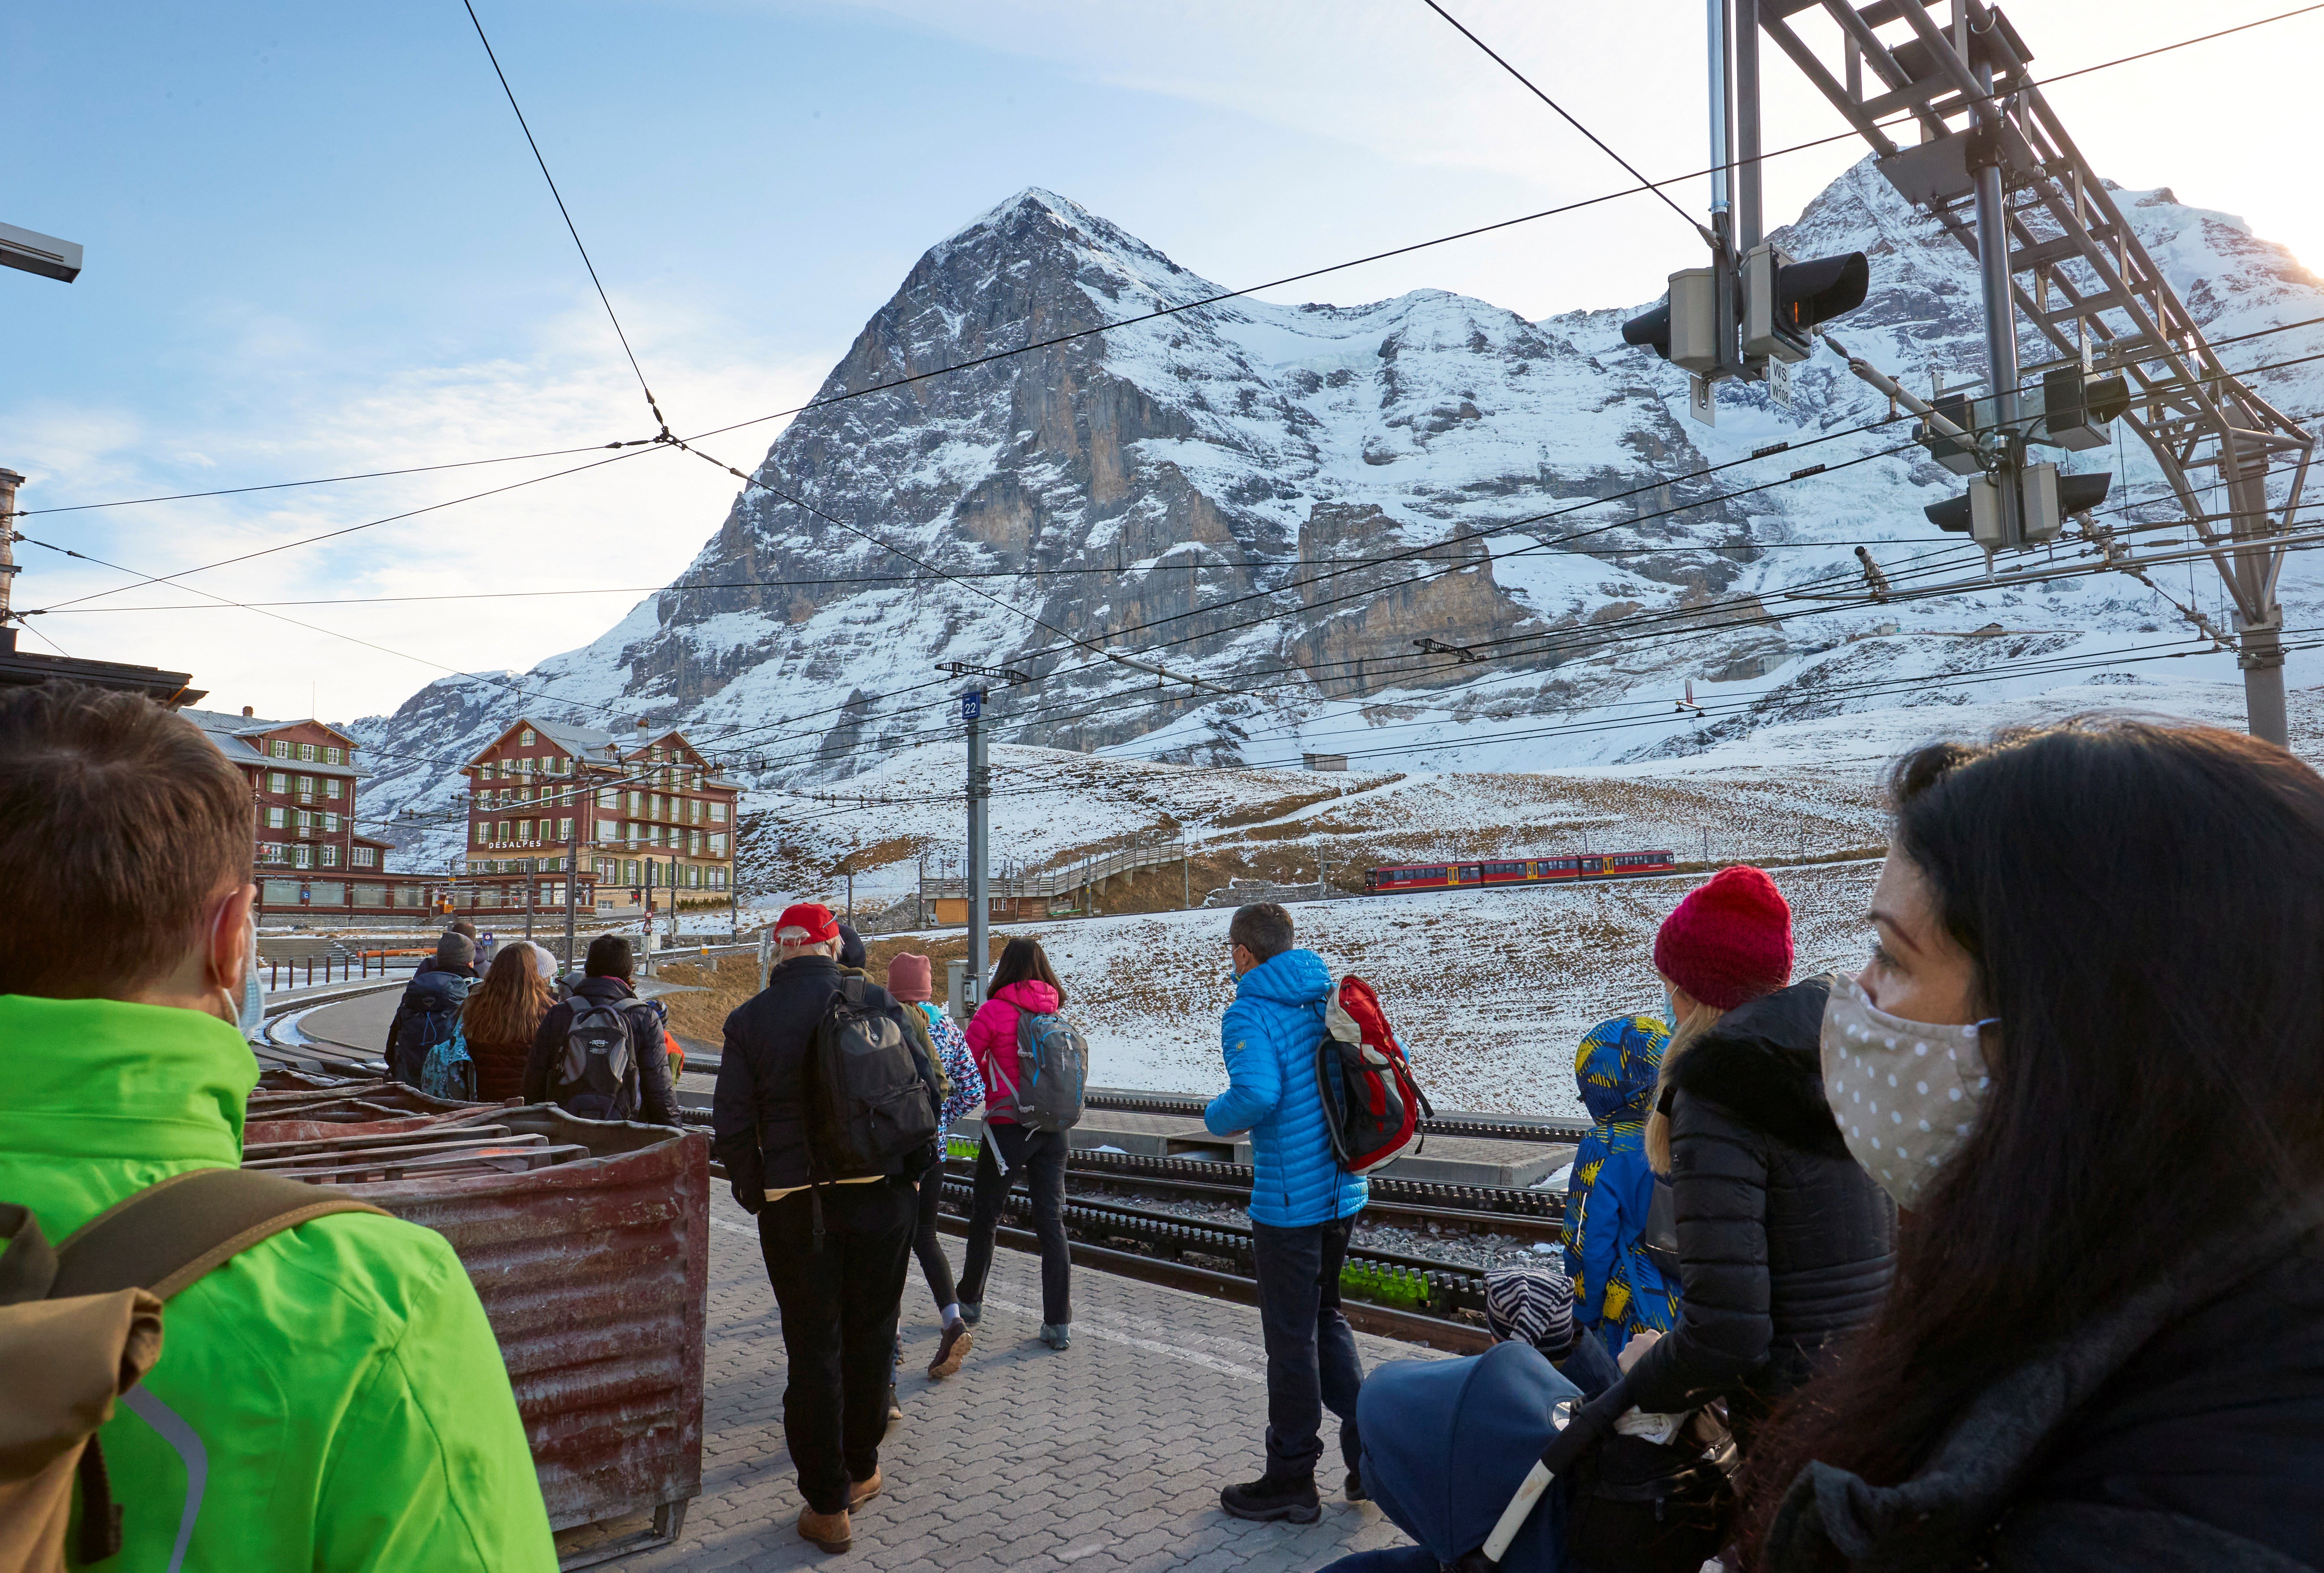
(1462, 1455)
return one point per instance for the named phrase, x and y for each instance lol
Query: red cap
(1729, 940)
(810, 915)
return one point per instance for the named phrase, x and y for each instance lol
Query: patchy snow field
(1491, 989)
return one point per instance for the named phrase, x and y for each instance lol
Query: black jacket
(758, 1113)
(1784, 1240)
(446, 988)
(645, 1090)
(2182, 1431)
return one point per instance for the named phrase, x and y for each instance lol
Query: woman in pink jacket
(1021, 983)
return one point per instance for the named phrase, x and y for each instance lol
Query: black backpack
(867, 1108)
(433, 1017)
(594, 1070)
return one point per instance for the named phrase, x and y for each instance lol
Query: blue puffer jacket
(1270, 1033)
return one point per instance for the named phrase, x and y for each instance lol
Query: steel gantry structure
(1993, 163)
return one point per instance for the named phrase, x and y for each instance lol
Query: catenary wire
(566, 214)
(1565, 114)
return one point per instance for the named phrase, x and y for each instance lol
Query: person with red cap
(1783, 1243)
(836, 1247)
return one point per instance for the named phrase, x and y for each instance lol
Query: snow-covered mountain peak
(1281, 500)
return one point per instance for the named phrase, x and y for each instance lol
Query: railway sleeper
(1377, 1278)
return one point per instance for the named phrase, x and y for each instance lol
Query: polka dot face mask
(1906, 1093)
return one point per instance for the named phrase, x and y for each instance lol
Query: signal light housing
(2045, 498)
(1784, 301)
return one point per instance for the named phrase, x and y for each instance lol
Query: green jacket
(331, 1398)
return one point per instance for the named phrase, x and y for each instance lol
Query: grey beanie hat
(455, 949)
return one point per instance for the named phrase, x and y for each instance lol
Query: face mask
(1906, 1093)
(1670, 1011)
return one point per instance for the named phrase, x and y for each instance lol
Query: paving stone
(1105, 1458)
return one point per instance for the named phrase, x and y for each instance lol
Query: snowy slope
(1210, 491)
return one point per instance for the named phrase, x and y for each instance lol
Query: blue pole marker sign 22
(971, 706)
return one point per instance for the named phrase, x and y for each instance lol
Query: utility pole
(1983, 154)
(531, 898)
(979, 793)
(572, 880)
(9, 481)
(1745, 29)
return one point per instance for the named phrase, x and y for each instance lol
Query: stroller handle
(1576, 1437)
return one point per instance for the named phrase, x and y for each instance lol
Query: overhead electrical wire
(566, 214)
(1567, 115)
(1228, 295)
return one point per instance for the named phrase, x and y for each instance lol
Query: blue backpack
(450, 1072)
(1052, 1070)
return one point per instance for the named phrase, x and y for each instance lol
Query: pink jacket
(992, 1039)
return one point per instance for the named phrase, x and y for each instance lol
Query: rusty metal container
(593, 1269)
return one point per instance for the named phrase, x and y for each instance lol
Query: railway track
(1525, 1214)
(1414, 1299)
(1500, 1130)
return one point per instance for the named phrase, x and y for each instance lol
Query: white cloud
(634, 523)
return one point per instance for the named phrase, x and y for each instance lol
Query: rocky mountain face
(1277, 501)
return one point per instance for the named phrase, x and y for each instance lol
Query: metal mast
(1995, 166)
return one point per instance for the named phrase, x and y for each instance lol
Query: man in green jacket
(331, 1398)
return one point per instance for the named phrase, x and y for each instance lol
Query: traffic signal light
(1784, 301)
(1684, 328)
(2076, 408)
(2045, 498)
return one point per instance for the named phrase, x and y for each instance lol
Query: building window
(503, 835)
(564, 830)
(331, 757)
(276, 781)
(718, 813)
(331, 787)
(524, 830)
(609, 798)
(605, 828)
(302, 857)
(331, 824)
(365, 858)
(277, 818)
(307, 751)
(330, 855)
(718, 845)
(280, 750)
(524, 738)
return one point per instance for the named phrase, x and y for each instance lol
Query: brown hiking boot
(860, 1492)
(830, 1531)
(957, 1341)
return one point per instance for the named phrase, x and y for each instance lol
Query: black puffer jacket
(1784, 1240)
(759, 1113)
(2183, 1431)
(645, 1089)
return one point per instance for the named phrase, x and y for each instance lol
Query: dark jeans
(1040, 1157)
(1312, 1362)
(839, 1326)
(934, 1265)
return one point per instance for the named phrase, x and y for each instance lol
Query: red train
(1517, 872)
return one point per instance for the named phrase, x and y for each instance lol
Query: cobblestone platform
(1107, 1456)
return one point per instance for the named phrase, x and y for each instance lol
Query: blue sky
(317, 243)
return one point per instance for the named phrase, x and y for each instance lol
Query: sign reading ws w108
(971, 706)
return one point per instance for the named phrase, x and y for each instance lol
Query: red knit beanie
(1729, 940)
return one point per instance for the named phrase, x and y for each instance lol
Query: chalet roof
(242, 738)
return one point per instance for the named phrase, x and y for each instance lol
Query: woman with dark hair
(1022, 982)
(2086, 1057)
(1784, 1243)
(500, 1019)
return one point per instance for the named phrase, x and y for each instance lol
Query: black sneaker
(1273, 1497)
(1356, 1492)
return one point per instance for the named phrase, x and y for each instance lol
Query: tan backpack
(80, 1322)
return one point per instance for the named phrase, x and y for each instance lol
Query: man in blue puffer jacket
(1303, 1209)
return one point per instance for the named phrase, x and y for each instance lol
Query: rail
(1510, 1130)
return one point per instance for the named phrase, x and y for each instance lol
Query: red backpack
(1372, 1107)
